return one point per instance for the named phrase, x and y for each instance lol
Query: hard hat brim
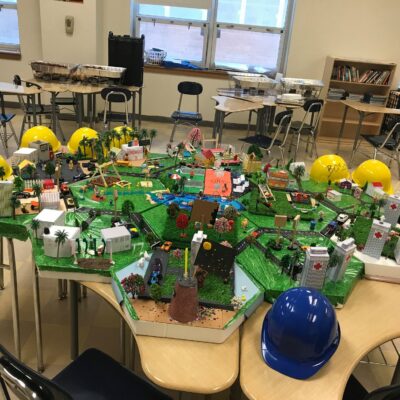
(289, 367)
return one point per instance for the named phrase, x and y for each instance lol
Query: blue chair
(93, 375)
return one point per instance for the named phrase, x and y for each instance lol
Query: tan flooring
(99, 324)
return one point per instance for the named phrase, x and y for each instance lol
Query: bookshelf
(355, 77)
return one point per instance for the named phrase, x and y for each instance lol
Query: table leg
(221, 127)
(215, 125)
(133, 110)
(356, 139)
(73, 302)
(15, 309)
(79, 100)
(38, 319)
(271, 116)
(340, 137)
(33, 100)
(53, 113)
(89, 109)
(140, 107)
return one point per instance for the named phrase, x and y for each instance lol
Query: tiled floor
(99, 324)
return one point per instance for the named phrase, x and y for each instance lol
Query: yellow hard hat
(76, 138)
(329, 168)
(7, 168)
(373, 171)
(40, 133)
(124, 138)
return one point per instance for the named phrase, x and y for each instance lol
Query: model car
(166, 246)
(22, 195)
(342, 218)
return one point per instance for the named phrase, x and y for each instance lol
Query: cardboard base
(75, 276)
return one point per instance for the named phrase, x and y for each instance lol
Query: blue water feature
(184, 200)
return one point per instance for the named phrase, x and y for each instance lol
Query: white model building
(376, 238)
(334, 195)
(375, 189)
(6, 188)
(392, 209)
(133, 152)
(344, 251)
(195, 245)
(25, 153)
(315, 266)
(43, 149)
(47, 218)
(117, 239)
(50, 200)
(67, 249)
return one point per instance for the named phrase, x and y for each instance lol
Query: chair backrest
(283, 118)
(25, 383)
(115, 94)
(190, 88)
(391, 392)
(313, 105)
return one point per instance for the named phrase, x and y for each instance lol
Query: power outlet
(69, 25)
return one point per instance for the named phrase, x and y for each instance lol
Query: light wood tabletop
(370, 108)
(368, 319)
(182, 365)
(231, 104)
(10, 88)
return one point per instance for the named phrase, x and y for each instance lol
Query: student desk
(230, 105)
(368, 319)
(182, 365)
(363, 110)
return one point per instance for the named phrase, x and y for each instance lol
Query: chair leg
(13, 133)
(297, 146)
(248, 123)
(3, 139)
(171, 139)
(60, 129)
(22, 130)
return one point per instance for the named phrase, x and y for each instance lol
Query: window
(9, 33)
(246, 35)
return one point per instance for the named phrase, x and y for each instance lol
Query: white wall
(347, 28)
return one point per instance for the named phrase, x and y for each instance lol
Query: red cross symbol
(378, 235)
(317, 266)
(393, 206)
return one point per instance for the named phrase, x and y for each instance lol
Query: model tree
(35, 224)
(15, 203)
(18, 183)
(125, 133)
(182, 222)
(230, 212)
(173, 210)
(128, 208)
(61, 237)
(298, 173)
(155, 292)
(152, 135)
(2, 173)
(30, 170)
(84, 143)
(37, 191)
(256, 150)
(50, 169)
(285, 263)
(134, 285)
(222, 225)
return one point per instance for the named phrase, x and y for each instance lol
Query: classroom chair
(112, 95)
(386, 143)
(283, 122)
(187, 117)
(307, 126)
(93, 375)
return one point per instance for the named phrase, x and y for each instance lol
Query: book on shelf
(348, 73)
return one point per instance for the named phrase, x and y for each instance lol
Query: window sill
(213, 74)
(10, 55)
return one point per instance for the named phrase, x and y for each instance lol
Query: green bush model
(256, 150)
(128, 208)
(50, 169)
(15, 203)
(155, 292)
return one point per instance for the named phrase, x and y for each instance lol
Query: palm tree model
(61, 237)
(125, 132)
(118, 136)
(15, 203)
(92, 143)
(84, 142)
(37, 191)
(2, 173)
(144, 134)
(35, 224)
(152, 135)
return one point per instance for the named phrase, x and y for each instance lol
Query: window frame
(8, 48)
(211, 31)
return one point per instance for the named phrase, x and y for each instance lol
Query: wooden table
(363, 110)
(230, 105)
(182, 365)
(368, 319)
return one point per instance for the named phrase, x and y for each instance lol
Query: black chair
(187, 117)
(93, 375)
(387, 143)
(115, 95)
(283, 122)
(307, 126)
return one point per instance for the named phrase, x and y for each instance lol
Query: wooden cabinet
(356, 78)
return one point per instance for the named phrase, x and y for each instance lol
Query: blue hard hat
(300, 333)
